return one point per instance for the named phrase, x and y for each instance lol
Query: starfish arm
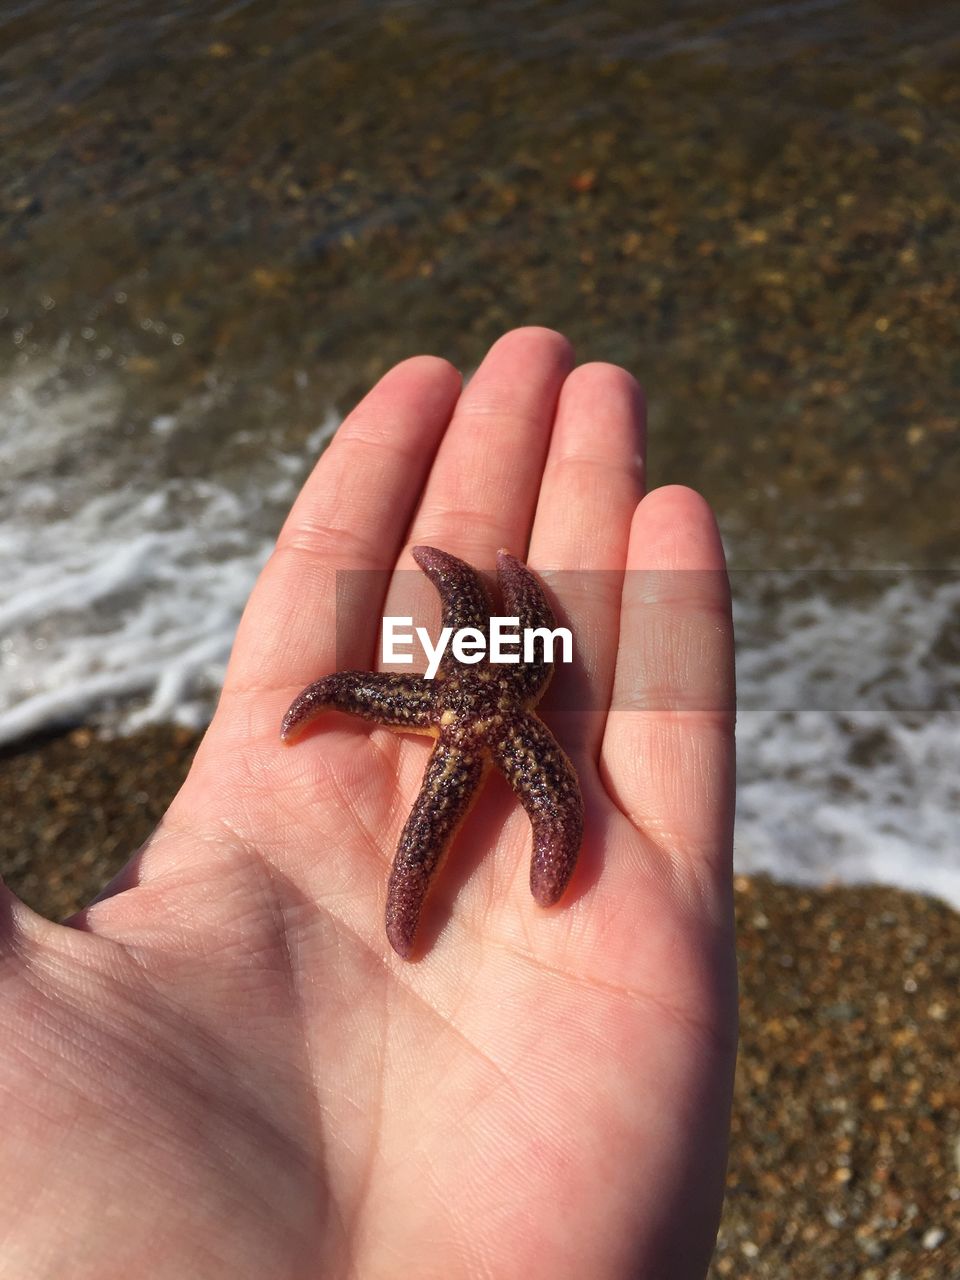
(464, 601)
(448, 789)
(544, 780)
(524, 598)
(398, 701)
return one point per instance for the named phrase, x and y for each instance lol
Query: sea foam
(119, 591)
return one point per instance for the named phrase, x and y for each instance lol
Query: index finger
(352, 513)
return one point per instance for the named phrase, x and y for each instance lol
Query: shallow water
(221, 222)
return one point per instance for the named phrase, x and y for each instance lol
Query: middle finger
(592, 483)
(483, 486)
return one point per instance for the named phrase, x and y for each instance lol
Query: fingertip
(610, 381)
(522, 373)
(539, 337)
(430, 383)
(425, 366)
(674, 527)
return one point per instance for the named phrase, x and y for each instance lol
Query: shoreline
(845, 1143)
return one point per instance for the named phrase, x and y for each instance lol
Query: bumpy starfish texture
(479, 714)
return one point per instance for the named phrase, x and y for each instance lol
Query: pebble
(846, 1120)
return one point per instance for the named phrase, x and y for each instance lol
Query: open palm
(222, 1069)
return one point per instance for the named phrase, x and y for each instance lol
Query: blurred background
(220, 222)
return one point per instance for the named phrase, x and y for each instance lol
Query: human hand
(222, 1069)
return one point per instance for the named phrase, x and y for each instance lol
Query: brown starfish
(478, 713)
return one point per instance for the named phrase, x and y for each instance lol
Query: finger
(352, 513)
(667, 755)
(483, 486)
(592, 483)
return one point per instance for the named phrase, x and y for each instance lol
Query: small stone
(584, 181)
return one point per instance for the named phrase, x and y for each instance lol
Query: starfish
(479, 713)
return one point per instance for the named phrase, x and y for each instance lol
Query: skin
(223, 1070)
(476, 713)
